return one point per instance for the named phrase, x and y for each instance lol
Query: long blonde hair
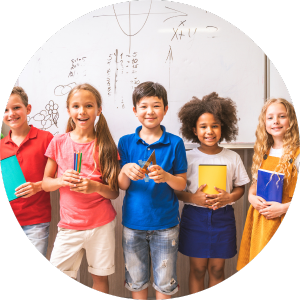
(264, 140)
(108, 153)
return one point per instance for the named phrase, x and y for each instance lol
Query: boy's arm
(130, 171)
(28, 189)
(176, 182)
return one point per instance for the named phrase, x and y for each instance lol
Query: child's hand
(28, 189)
(86, 186)
(70, 178)
(199, 197)
(158, 174)
(218, 200)
(133, 171)
(272, 210)
(258, 202)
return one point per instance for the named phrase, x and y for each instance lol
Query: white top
(278, 153)
(236, 173)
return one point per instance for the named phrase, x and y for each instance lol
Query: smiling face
(83, 109)
(15, 115)
(277, 121)
(208, 130)
(150, 111)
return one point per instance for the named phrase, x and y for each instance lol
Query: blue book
(12, 176)
(270, 187)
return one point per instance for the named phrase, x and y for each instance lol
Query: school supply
(151, 159)
(270, 185)
(77, 161)
(12, 176)
(213, 176)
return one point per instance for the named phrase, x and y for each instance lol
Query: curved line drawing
(129, 20)
(177, 15)
(62, 90)
(47, 117)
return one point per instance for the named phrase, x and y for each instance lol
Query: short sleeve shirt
(150, 205)
(79, 211)
(30, 154)
(236, 173)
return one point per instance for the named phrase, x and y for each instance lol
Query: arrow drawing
(170, 57)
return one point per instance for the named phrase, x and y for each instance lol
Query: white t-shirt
(236, 173)
(278, 153)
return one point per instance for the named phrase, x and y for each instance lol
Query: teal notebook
(12, 176)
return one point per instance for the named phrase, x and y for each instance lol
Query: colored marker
(80, 162)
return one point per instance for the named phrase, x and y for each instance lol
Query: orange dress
(258, 230)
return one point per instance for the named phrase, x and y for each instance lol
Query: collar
(32, 134)
(164, 139)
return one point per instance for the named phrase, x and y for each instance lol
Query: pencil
(78, 154)
(76, 157)
(74, 161)
(80, 162)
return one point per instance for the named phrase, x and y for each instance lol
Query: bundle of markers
(77, 161)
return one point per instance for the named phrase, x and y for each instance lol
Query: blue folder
(12, 176)
(270, 187)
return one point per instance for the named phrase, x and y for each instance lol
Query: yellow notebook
(213, 176)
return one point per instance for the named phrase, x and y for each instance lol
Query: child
(33, 208)
(150, 207)
(87, 215)
(207, 228)
(276, 149)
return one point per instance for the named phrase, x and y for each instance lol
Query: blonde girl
(276, 149)
(87, 215)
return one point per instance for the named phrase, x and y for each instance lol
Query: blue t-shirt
(150, 205)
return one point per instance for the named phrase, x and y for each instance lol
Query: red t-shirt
(79, 211)
(30, 154)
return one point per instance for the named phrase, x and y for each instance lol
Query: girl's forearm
(184, 196)
(50, 184)
(106, 192)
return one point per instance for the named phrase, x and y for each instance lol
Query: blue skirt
(206, 233)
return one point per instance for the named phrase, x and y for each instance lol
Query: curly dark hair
(223, 109)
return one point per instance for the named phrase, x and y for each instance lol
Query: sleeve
(49, 138)
(122, 153)
(180, 162)
(240, 175)
(51, 151)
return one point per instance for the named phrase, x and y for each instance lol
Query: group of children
(153, 232)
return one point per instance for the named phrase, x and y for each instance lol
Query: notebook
(12, 176)
(213, 176)
(269, 188)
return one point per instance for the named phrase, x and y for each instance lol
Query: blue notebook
(267, 188)
(12, 176)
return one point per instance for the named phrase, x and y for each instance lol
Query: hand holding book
(218, 200)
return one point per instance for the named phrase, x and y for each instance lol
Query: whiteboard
(189, 51)
(278, 88)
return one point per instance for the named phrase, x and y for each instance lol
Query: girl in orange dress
(276, 149)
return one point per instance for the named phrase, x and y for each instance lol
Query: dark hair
(223, 109)
(149, 89)
(17, 90)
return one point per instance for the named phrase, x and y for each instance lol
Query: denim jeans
(38, 235)
(143, 246)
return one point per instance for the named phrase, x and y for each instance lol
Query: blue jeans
(38, 235)
(142, 246)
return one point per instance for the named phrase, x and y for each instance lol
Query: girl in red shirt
(87, 215)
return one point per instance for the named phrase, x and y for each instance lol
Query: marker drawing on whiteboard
(116, 71)
(129, 34)
(170, 57)
(184, 14)
(45, 118)
(77, 67)
(62, 90)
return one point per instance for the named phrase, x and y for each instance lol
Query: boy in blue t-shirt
(150, 207)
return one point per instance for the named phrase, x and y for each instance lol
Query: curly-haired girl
(276, 149)
(207, 229)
